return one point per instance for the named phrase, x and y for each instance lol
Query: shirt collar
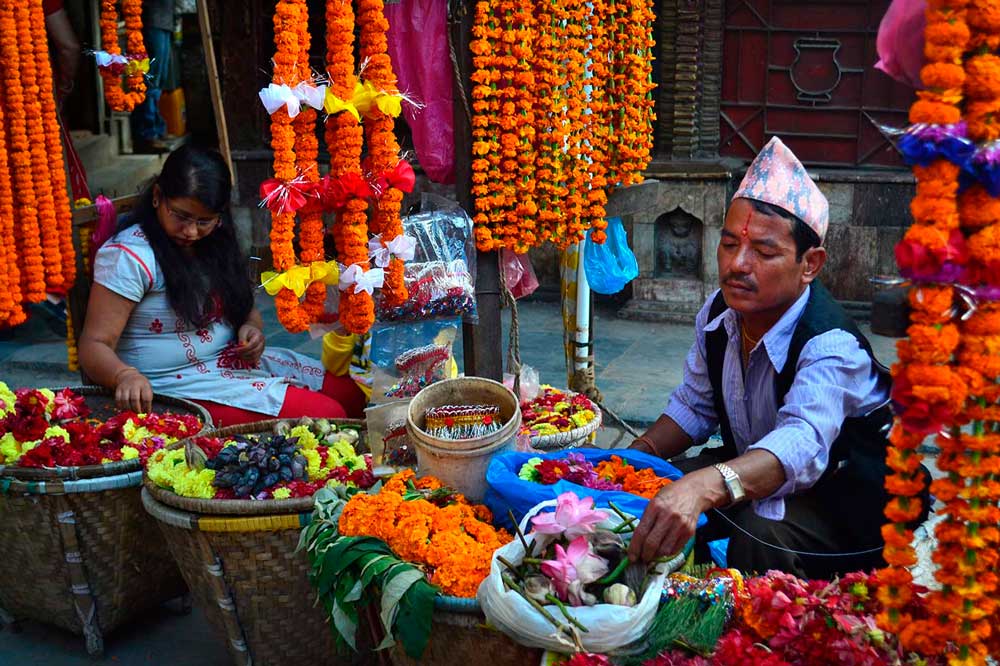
(777, 340)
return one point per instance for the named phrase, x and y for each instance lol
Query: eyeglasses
(185, 219)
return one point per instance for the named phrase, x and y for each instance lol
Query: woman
(172, 311)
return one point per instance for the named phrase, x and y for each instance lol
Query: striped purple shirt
(834, 380)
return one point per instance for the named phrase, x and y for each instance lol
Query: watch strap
(732, 481)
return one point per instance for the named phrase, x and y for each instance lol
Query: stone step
(124, 175)
(96, 151)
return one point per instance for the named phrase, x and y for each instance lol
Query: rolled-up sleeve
(834, 379)
(691, 405)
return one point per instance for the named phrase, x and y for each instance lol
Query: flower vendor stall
(79, 550)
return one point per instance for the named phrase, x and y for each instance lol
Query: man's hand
(671, 517)
(251, 341)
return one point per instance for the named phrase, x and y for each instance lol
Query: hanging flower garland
(571, 229)
(111, 63)
(312, 228)
(383, 149)
(41, 176)
(53, 148)
(597, 122)
(345, 140)
(521, 85)
(928, 393)
(486, 33)
(26, 231)
(632, 98)
(11, 312)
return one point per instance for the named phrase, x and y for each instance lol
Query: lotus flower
(575, 563)
(572, 518)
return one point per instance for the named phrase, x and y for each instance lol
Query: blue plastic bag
(507, 491)
(612, 265)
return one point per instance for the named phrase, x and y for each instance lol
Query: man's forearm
(664, 438)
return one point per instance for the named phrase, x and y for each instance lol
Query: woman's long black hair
(213, 276)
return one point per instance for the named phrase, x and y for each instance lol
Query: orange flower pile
(643, 482)
(454, 543)
(553, 128)
(134, 92)
(344, 140)
(383, 149)
(37, 252)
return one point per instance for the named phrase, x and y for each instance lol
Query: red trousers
(339, 398)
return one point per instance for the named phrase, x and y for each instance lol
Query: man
(801, 402)
(148, 126)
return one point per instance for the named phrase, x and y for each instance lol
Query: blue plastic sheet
(611, 265)
(507, 491)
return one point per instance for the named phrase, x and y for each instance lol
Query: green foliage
(354, 572)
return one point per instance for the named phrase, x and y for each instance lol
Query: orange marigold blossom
(11, 312)
(118, 98)
(453, 543)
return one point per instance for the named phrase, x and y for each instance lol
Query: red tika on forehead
(746, 225)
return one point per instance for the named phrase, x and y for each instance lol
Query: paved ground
(638, 364)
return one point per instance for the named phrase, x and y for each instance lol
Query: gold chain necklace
(746, 337)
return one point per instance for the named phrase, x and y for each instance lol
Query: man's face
(758, 272)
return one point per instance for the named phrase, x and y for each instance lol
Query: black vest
(853, 485)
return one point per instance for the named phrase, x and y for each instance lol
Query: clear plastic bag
(530, 383)
(441, 277)
(408, 357)
(385, 441)
(611, 265)
(518, 273)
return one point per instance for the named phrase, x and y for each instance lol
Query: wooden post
(215, 87)
(481, 343)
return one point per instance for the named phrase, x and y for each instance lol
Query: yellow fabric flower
(56, 431)
(281, 493)
(305, 436)
(128, 453)
(9, 449)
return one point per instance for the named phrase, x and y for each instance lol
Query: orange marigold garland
(26, 231)
(41, 177)
(930, 393)
(522, 220)
(630, 93)
(486, 158)
(54, 146)
(11, 312)
(345, 140)
(136, 61)
(383, 149)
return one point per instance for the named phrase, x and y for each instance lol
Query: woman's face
(185, 220)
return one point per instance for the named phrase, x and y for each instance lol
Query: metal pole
(482, 343)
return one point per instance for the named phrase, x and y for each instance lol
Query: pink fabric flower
(572, 518)
(576, 563)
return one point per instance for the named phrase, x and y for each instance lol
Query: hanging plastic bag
(610, 627)
(900, 41)
(441, 277)
(518, 273)
(418, 46)
(611, 265)
(530, 383)
(408, 357)
(509, 492)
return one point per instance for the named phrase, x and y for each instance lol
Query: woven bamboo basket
(459, 635)
(570, 438)
(101, 402)
(238, 557)
(82, 555)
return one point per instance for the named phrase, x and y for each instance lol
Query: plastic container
(174, 111)
(461, 464)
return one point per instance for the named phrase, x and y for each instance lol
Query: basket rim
(572, 435)
(75, 473)
(237, 507)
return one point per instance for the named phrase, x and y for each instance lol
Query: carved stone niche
(679, 239)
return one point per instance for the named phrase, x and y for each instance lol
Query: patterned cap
(778, 178)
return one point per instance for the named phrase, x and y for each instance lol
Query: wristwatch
(733, 484)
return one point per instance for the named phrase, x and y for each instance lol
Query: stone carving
(678, 245)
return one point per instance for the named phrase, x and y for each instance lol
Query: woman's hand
(133, 391)
(251, 340)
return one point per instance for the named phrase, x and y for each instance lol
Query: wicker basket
(459, 635)
(244, 573)
(82, 555)
(570, 438)
(101, 402)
